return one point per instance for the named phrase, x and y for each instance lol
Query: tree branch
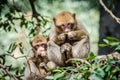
(35, 14)
(106, 9)
(6, 72)
(13, 56)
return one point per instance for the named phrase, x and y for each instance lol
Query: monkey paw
(66, 48)
(62, 37)
(71, 35)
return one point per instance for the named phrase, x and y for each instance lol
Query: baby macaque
(68, 39)
(38, 64)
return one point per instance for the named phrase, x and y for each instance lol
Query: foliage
(92, 71)
(111, 42)
(14, 19)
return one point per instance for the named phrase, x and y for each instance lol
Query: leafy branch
(6, 70)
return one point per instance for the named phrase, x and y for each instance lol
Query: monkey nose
(67, 30)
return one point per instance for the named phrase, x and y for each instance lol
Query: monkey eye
(62, 25)
(70, 24)
(44, 45)
(36, 47)
(58, 26)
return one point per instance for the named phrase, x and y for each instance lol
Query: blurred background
(86, 11)
(17, 27)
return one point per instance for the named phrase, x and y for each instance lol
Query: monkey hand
(65, 48)
(72, 35)
(62, 37)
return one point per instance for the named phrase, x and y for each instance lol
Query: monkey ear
(54, 21)
(74, 15)
(31, 43)
(47, 38)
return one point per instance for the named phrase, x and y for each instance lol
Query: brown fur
(37, 60)
(76, 35)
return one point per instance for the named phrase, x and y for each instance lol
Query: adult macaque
(68, 39)
(38, 64)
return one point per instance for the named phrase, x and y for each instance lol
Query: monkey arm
(54, 54)
(54, 37)
(81, 48)
(77, 35)
(30, 70)
(57, 41)
(80, 34)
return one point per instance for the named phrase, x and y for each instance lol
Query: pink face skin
(42, 51)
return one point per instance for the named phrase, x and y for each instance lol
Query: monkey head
(39, 45)
(65, 22)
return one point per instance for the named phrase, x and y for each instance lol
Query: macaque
(38, 64)
(68, 39)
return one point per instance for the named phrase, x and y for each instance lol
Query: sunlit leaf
(95, 77)
(112, 39)
(49, 77)
(114, 43)
(91, 56)
(56, 70)
(100, 72)
(118, 48)
(106, 41)
(103, 45)
(108, 67)
(58, 75)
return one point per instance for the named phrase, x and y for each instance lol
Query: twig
(76, 59)
(5, 69)
(35, 14)
(13, 56)
(106, 9)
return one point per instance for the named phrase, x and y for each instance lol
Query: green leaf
(108, 67)
(49, 77)
(117, 48)
(12, 47)
(56, 70)
(95, 77)
(75, 77)
(58, 75)
(21, 50)
(91, 56)
(106, 41)
(100, 72)
(84, 68)
(114, 43)
(110, 61)
(71, 68)
(112, 39)
(103, 45)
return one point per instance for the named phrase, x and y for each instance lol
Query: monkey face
(65, 27)
(39, 44)
(41, 49)
(64, 22)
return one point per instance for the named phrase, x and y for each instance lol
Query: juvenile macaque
(68, 39)
(37, 62)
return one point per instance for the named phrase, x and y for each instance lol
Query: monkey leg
(31, 70)
(66, 50)
(54, 54)
(81, 48)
